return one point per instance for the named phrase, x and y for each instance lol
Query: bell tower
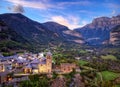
(49, 62)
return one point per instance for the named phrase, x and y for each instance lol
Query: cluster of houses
(29, 63)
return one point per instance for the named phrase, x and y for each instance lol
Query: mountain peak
(101, 19)
(15, 17)
(117, 15)
(13, 14)
(53, 26)
(51, 23)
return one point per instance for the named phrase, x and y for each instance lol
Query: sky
(71, 13)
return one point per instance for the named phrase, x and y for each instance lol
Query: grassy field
(117, 86)
(107, 75)
(82, 62)
(109, 57)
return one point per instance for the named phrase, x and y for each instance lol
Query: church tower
(49, 62)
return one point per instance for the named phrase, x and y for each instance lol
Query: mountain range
(97, 32)
(40, 35)
(23, 32)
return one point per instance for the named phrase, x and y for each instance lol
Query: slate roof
(8, 57)
(39, 61)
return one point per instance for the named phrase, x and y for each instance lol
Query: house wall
(42, 68)
(2, 68)
(27, 70)
(35, 71)
(3, 78)
(67, 68)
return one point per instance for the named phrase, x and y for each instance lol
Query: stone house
(67, 67)
(40, 65)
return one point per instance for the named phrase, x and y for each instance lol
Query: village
(27, 64)
(59, 68)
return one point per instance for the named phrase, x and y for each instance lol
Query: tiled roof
(35, 61)
(39, 61)
(49, 53)
(9, 57)
(43, 61)
(28, 66)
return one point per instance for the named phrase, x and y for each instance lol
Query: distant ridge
(40, 34)
(98, 31)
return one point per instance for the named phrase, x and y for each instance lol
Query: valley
(94, 67)
(49, 54)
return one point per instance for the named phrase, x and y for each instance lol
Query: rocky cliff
(98, 31)
(115, 36)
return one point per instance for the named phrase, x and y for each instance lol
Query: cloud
(70, 21)
(32, 4)
(113, 12)
(83, 3)
(17, 9)
(112, 5)
(46, 4)
(86, 12)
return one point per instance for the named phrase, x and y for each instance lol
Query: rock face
(115, 36)
(98, 31)
(39, 34)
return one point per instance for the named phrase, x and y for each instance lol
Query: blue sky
(72, 13)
